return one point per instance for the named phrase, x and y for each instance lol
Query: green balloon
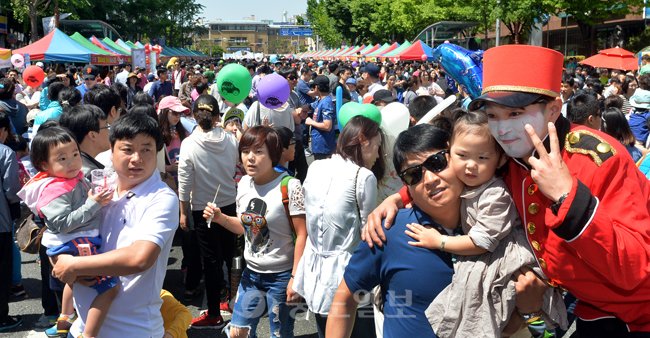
(234, 83)
(352, 109)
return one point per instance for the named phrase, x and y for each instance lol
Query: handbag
(166, 177)
(28, 236)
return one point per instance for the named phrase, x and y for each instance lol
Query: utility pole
(498, 26)
(566, 33)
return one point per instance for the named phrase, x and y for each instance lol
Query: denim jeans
(257, 292)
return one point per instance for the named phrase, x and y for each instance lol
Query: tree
(519, 16)
(322, 24)
(300, 20)
(589, 13)
(32, 9)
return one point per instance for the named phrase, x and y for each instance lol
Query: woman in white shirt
(340, 192)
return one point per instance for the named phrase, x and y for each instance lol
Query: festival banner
(104, 60)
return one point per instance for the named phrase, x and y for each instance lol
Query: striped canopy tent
(123, 44)
(101, 45)
(352, 53)
(112, 45)
(383, 50)
(140, 45)
(56, 46)
(373, 49)
(414, 53)
(339, 53)
(369, 47)
(322, 56)
(397, 50)
(132, 45)
(103, 57)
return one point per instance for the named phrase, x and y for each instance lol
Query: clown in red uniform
(584, 204)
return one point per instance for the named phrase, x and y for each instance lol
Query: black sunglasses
(435, 163)
(292, 78)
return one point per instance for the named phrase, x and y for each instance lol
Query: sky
(262, 9)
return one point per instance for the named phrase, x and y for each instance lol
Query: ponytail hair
(206, 109)
(69, 97)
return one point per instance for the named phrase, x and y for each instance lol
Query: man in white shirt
(371, 76)
(178, 77)
(123, 75)
(137, 230)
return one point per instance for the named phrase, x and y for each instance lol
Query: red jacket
(598, 245)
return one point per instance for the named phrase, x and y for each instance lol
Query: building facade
(259, 36)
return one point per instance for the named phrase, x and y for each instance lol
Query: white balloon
(17, 60)
(395, 118)
(437, 109)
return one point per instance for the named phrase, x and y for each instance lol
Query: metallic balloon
(463, 66)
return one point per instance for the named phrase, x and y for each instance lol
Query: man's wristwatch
(555, 207)
(531, 317)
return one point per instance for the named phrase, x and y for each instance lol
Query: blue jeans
(249, 307)
(16, 275)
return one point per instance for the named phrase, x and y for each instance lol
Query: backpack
(284, 187)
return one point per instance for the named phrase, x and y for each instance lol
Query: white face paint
(512, 135)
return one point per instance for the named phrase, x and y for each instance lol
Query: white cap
(40, 64)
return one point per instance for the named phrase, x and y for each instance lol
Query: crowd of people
(526, 207)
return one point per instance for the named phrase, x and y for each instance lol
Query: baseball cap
(351, 80)
(372, 70)
(322, 80)
(173, 103)
(233, 112)
(90, 72)
(40, 64)
(151, 77)
(384, 95)
(197, 66)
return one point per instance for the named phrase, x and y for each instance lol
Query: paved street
(31, 309)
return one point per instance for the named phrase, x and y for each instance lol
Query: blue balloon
(320, 63)
(273, 59)
(462, 66)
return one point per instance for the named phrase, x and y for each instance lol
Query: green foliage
(134, 20)
(300, 20)
(640, 41)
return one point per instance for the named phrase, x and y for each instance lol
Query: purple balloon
(273, 91)
(354, 64)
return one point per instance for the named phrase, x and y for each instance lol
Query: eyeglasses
(292, 78)
(107, 127)
(175, 113)
(435, 163)
(292, 144)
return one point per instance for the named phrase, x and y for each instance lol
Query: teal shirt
(52, 111)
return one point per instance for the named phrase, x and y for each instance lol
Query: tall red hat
(518, 75)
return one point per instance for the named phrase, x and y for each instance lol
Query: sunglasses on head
(435, 163)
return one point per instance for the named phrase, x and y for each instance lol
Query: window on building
(238, 27)
(259, 40)
(231, 27)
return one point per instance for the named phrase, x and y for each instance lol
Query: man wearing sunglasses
(410, 277)
(299, 112)
(584, 204)
(90, 73)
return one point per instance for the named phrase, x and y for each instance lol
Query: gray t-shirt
(294, 103)
(279, 117)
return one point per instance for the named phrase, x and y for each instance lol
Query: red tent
(414, 53)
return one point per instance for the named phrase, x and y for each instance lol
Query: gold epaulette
(588, 143)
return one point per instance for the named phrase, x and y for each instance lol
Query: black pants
(299, 164)
(194, 265)
(216, 245)
(51, 288)
(364, 323)
(606, 328)
(6, 269)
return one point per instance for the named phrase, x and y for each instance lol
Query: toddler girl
(481, 297)
(62, 197)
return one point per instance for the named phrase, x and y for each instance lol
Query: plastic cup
(103, 180)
